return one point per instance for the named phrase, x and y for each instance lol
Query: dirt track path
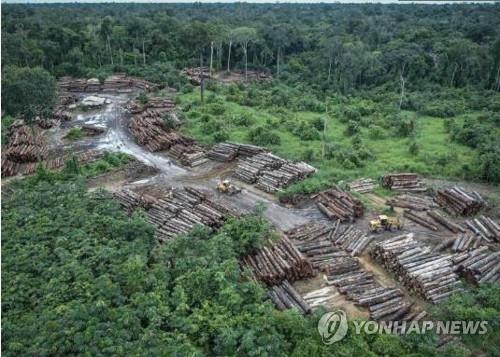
(114, 118)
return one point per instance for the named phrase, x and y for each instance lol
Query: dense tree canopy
(341, 47)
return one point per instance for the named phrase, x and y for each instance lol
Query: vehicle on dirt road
(385, 223)
(225, 186)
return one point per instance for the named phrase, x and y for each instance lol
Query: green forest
(356, 91)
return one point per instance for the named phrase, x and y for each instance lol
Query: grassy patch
(435, 155)
(74, 134)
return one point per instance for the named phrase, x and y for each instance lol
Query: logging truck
(384, 223)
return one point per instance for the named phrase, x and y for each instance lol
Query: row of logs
(362, 185)
(429, 274)
(11, 168)
(118, 81)
(284, 296)
(457, 201)
(178, 211)
(420, 219)
(403, 182)
(270, 172)
(194, 74)
(359, 285)
(484, 227)
(277, 262)
(228, 151)
(23, 146)
(188, 155)
(351, 239)
(416, 203)
(149, 130)
(480, 265)
(338, 204)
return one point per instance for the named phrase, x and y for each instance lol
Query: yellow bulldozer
(384, 223)
(225, 186)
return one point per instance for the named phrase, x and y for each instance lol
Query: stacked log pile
(429, 274)
(275, 180)
(485, 228)
(416, 203)
(228, 151)
(403, 182)
(188, 155)
(278, 262)
(150, 131)
(10, 168)
(419, 219)
(157, 105)
(23, 146)
(480, 265)
(320, 297)
(270, 172)
(466, 241)
(457, 201)
(194, 74)
(351, 239)
(338, 204)
(70, 84)
(118, 81)
(445, 222)
(284, 296)
(93, 129)
(177, 212)
(363, 185)
(224, 152)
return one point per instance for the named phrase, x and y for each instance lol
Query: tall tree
(243, 36)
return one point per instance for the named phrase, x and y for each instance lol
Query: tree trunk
(324, 130)
(497, 80)
(402, 83)
(453, 75)
(278, 63)
(329, 69)
(202, 77)
(245, 51)
(211, 56)
(229, 57)
(143, 53)
(110, 52)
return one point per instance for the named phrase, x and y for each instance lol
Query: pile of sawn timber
(277, 262)
(460, 202)
(363, 185)
(338, 204)
(227, 151)
(270, 172)
(284, 296)
(429, 274)
(403, 182)
(178, 211)
(480, 265)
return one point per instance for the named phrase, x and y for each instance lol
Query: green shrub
(263, 136)
(74, 134)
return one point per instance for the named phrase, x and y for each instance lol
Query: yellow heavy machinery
(384, 223)
(225, 186)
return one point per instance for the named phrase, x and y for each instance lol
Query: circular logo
(332, 326)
